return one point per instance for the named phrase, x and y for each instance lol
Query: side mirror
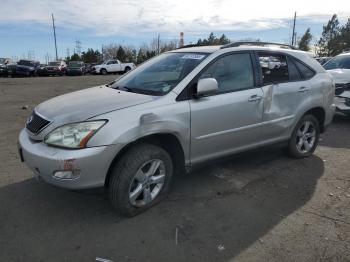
(206, 86)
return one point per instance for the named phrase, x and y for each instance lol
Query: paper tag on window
(193, 56)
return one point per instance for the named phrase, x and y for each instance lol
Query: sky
(26, 26)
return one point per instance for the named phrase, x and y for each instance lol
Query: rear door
(229, 120)
(285, 94)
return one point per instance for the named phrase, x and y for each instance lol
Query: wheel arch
(320, 114)
(167, 141)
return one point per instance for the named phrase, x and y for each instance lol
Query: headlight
(74, 135)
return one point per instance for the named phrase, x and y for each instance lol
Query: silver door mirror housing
(207, 86)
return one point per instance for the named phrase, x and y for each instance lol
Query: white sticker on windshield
(193, 56)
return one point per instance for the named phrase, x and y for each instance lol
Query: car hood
(340, 76)
(84, 104)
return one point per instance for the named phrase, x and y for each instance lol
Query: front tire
(103, 71)
(305, 137)
(127, 69)
(140, 179)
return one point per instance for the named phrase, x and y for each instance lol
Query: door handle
(303, 89)
(254, 98)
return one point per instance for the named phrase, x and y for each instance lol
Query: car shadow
(341, 127)
(230, 203)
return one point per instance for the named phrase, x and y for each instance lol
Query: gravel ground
(256, 206)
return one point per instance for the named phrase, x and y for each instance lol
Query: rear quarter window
(305, 71)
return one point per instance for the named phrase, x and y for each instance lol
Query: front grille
(36, 123)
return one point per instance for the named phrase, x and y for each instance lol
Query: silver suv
(179, 109)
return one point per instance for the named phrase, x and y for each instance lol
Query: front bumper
(341, 105)
(90, 164)
(52, 72)
(74, 72)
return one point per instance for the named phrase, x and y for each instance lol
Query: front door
(229, 120)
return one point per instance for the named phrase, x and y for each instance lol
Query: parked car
(54, 68)
(113, 66)
(177, 110)
(339, 68)
(324, 59)
(24, 68)
(3, 66)
(75, 68)
(89, 68)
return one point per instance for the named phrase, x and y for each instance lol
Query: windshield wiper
(139, 91)
(124, 88)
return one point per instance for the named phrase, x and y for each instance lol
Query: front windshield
(2, 60)
(338, 62)
(54, 63)
(75, 64)
(25, 63)
(161, 74)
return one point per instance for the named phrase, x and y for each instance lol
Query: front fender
(125, 126)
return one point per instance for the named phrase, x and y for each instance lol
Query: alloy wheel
(306, 137)
(147, 183)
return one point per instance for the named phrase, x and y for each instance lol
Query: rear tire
(305, 137)
(140, 179)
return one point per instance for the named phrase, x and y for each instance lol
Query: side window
(109, 62)
(306, 72)
(232, 72)
(274, 68)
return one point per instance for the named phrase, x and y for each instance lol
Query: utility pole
(78, 47)
(68, 53)
(293, 35)
(181, 42)
(158, 40)
(54, 34)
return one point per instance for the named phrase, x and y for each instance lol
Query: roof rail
(186, 46)
(257, 43)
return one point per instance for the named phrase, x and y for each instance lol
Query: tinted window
(26, 63)
(232, 72)
(306, 72)
(75, 64)
(274, 68)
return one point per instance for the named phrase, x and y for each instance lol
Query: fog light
(66, 174)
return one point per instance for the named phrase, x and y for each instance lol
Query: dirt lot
(258, 206)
